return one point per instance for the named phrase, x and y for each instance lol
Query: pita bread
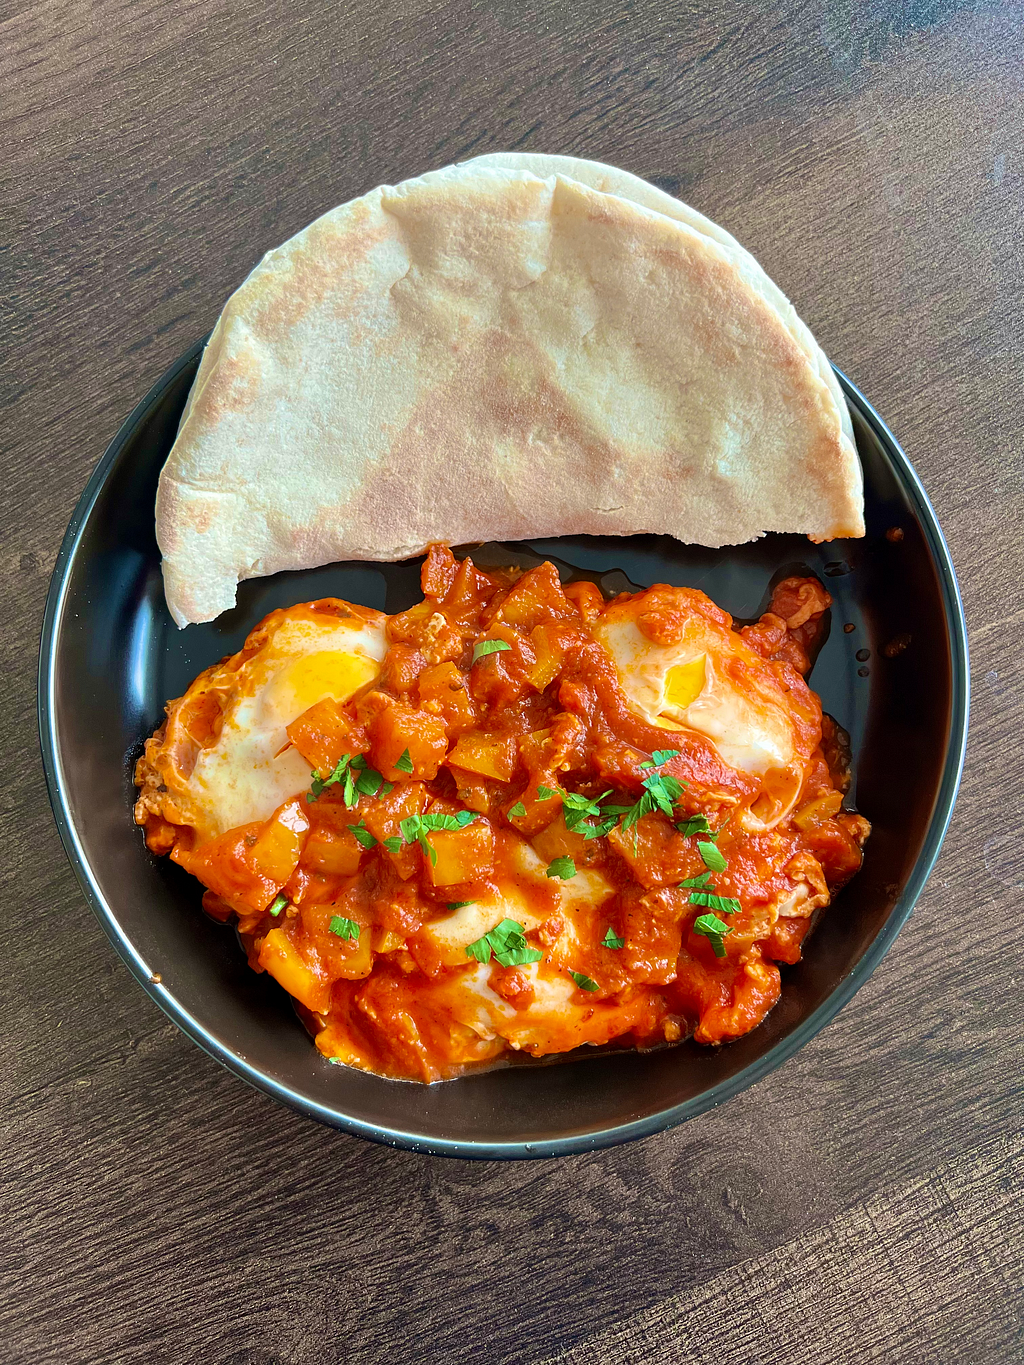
(612, 180)
(484, 353)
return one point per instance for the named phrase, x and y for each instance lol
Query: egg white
(244, 776)
(554, 1004)
(668, 686)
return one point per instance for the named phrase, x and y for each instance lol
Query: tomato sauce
(501, 850)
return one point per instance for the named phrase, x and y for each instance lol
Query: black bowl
(110, 656)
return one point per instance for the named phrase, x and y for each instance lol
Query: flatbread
(614, 180)
(483, 353)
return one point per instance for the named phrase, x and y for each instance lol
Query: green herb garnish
(694, 824)
(594, 829)
(611, 939)
(545, 793)
(663, 756)
(585, 983)
(393, 844)
(563, 868)
(662, 791)
(404, 764)
(665, 791)
(703, 880)
(344, 928)
(634, 813)
(726, 904)
(318, 783)
(363, 835)
(459, 905)
(415, 828)
(369, 781)
(577, 808)
(517, 812)
(484, 647)
(507, 942)
(278, 904)
(714, 930)
(712, 856)
(357, 778)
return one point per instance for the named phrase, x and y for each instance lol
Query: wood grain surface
(864, 1202)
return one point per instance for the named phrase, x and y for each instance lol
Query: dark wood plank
(886, 1281)
(156, 1210)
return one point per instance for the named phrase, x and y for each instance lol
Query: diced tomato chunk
(416, 739)
(323, 733)
(550, 657)
(443, 692)
(438, 572)
(402, 943)
(555, 841)
(402, 666)
(536, 597)
(248, 866)
(586, 597)
(334, 852)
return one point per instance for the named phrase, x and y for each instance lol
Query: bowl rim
(193, 1027)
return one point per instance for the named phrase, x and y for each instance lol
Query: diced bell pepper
(487, 755)
(463, 855)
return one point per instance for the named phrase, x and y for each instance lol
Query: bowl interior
(112, 656)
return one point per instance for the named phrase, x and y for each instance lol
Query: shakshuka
(517, 817)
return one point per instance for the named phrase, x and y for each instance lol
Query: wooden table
(863, 1203)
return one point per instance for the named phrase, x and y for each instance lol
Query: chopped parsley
(411, 826)
(278, 904)
(659, 758)
(712, 856)
(484, 647)
(662, 791)
(703, 880)
(727, 905)
(459, 905)
(318, 783)
(393, 844)
(357, 777)
(714, 930)
(368, 783)
(632, 814)
(404, 764)
(585, 983)
(611, 939)
(507, 942)
(594, 829)
(363, 835)
(517, 812)
(576, 808)
(545, 793)
(694, 824)
(344, 928)
(415, 828)
(563, 868)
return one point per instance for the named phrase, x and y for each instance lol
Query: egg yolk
(326, 673)
(684, 683)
